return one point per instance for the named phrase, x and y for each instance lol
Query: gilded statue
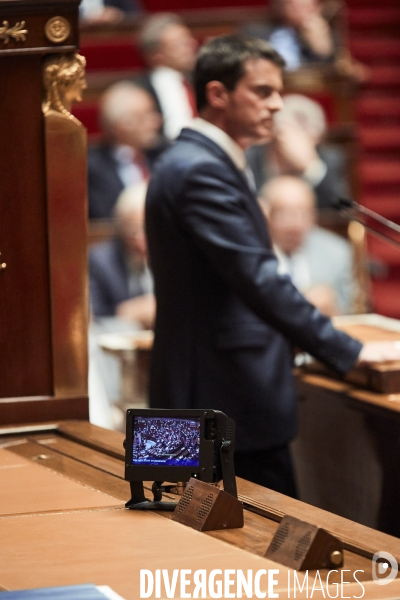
(64, 82)
(66, 190)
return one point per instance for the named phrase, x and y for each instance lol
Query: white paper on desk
(109, 593)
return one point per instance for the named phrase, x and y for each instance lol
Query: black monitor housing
(174, 445)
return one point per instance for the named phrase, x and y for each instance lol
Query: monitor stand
(139, 501)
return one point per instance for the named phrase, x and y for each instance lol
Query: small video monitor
(166, 441)
(175, 445)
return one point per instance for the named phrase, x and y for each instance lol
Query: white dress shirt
(90, 8)
(228, 145)
(284, 41)
(222, 139)
(172, 96)
(128, 170)
(295, 265)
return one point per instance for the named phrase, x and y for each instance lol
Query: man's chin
(257, 139)
(261, 142)
(263, 137)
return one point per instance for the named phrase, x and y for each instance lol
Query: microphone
(382, 227)
(342, 203)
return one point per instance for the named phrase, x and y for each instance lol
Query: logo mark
(380, 570)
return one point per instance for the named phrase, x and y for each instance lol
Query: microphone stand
(359, 213)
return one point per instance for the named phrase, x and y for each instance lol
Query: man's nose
(275, 102)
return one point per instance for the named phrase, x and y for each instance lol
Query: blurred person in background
(169, 49)
(130, 146)
(121, 284)
(318, 261)
(301, 33)
(93, 12)
(122, 302)
(298, 31)
(298, 149)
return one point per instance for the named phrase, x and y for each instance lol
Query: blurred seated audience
(298, 31)
(122, 302)
(318, 261)
(94, 12)
(131, 143)
(121, 284)
(169, 49)
(298, 149)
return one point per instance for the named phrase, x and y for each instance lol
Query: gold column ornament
(64, 82)
(57, 30)
(66, 191)
(17, 33)
(2, 265)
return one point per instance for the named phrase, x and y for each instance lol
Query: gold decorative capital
(57, 30)
(64, 82)
(17, 33)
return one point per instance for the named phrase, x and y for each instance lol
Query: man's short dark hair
(223, 59)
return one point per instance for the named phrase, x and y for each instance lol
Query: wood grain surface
(383, 378)
(109, 545)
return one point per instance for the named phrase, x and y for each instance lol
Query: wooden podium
(348, 447)
(43, 262)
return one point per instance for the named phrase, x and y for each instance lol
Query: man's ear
(217, 95)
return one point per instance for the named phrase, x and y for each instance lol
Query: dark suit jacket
(333, 186)
(128, 6)
(104, 183)
(144, 81)
(109, 278)
(225, 319)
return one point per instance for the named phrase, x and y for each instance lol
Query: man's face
(133, 234)
(177, 49)
(251, 105)
(139, 125)
(291, 214)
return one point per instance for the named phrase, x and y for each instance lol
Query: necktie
(250, 178)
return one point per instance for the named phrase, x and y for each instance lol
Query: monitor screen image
(164, 441)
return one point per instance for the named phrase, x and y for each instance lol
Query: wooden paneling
(36, 41)
(35, 409)
(25, 336)
(43, 285)
(348, 448)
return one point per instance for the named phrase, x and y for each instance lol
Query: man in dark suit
(169, 49)
(226, 320)
(121, 284)
(129, 149)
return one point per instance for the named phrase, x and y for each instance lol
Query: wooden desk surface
(356, 396)
(382, 379)
(70, 526)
